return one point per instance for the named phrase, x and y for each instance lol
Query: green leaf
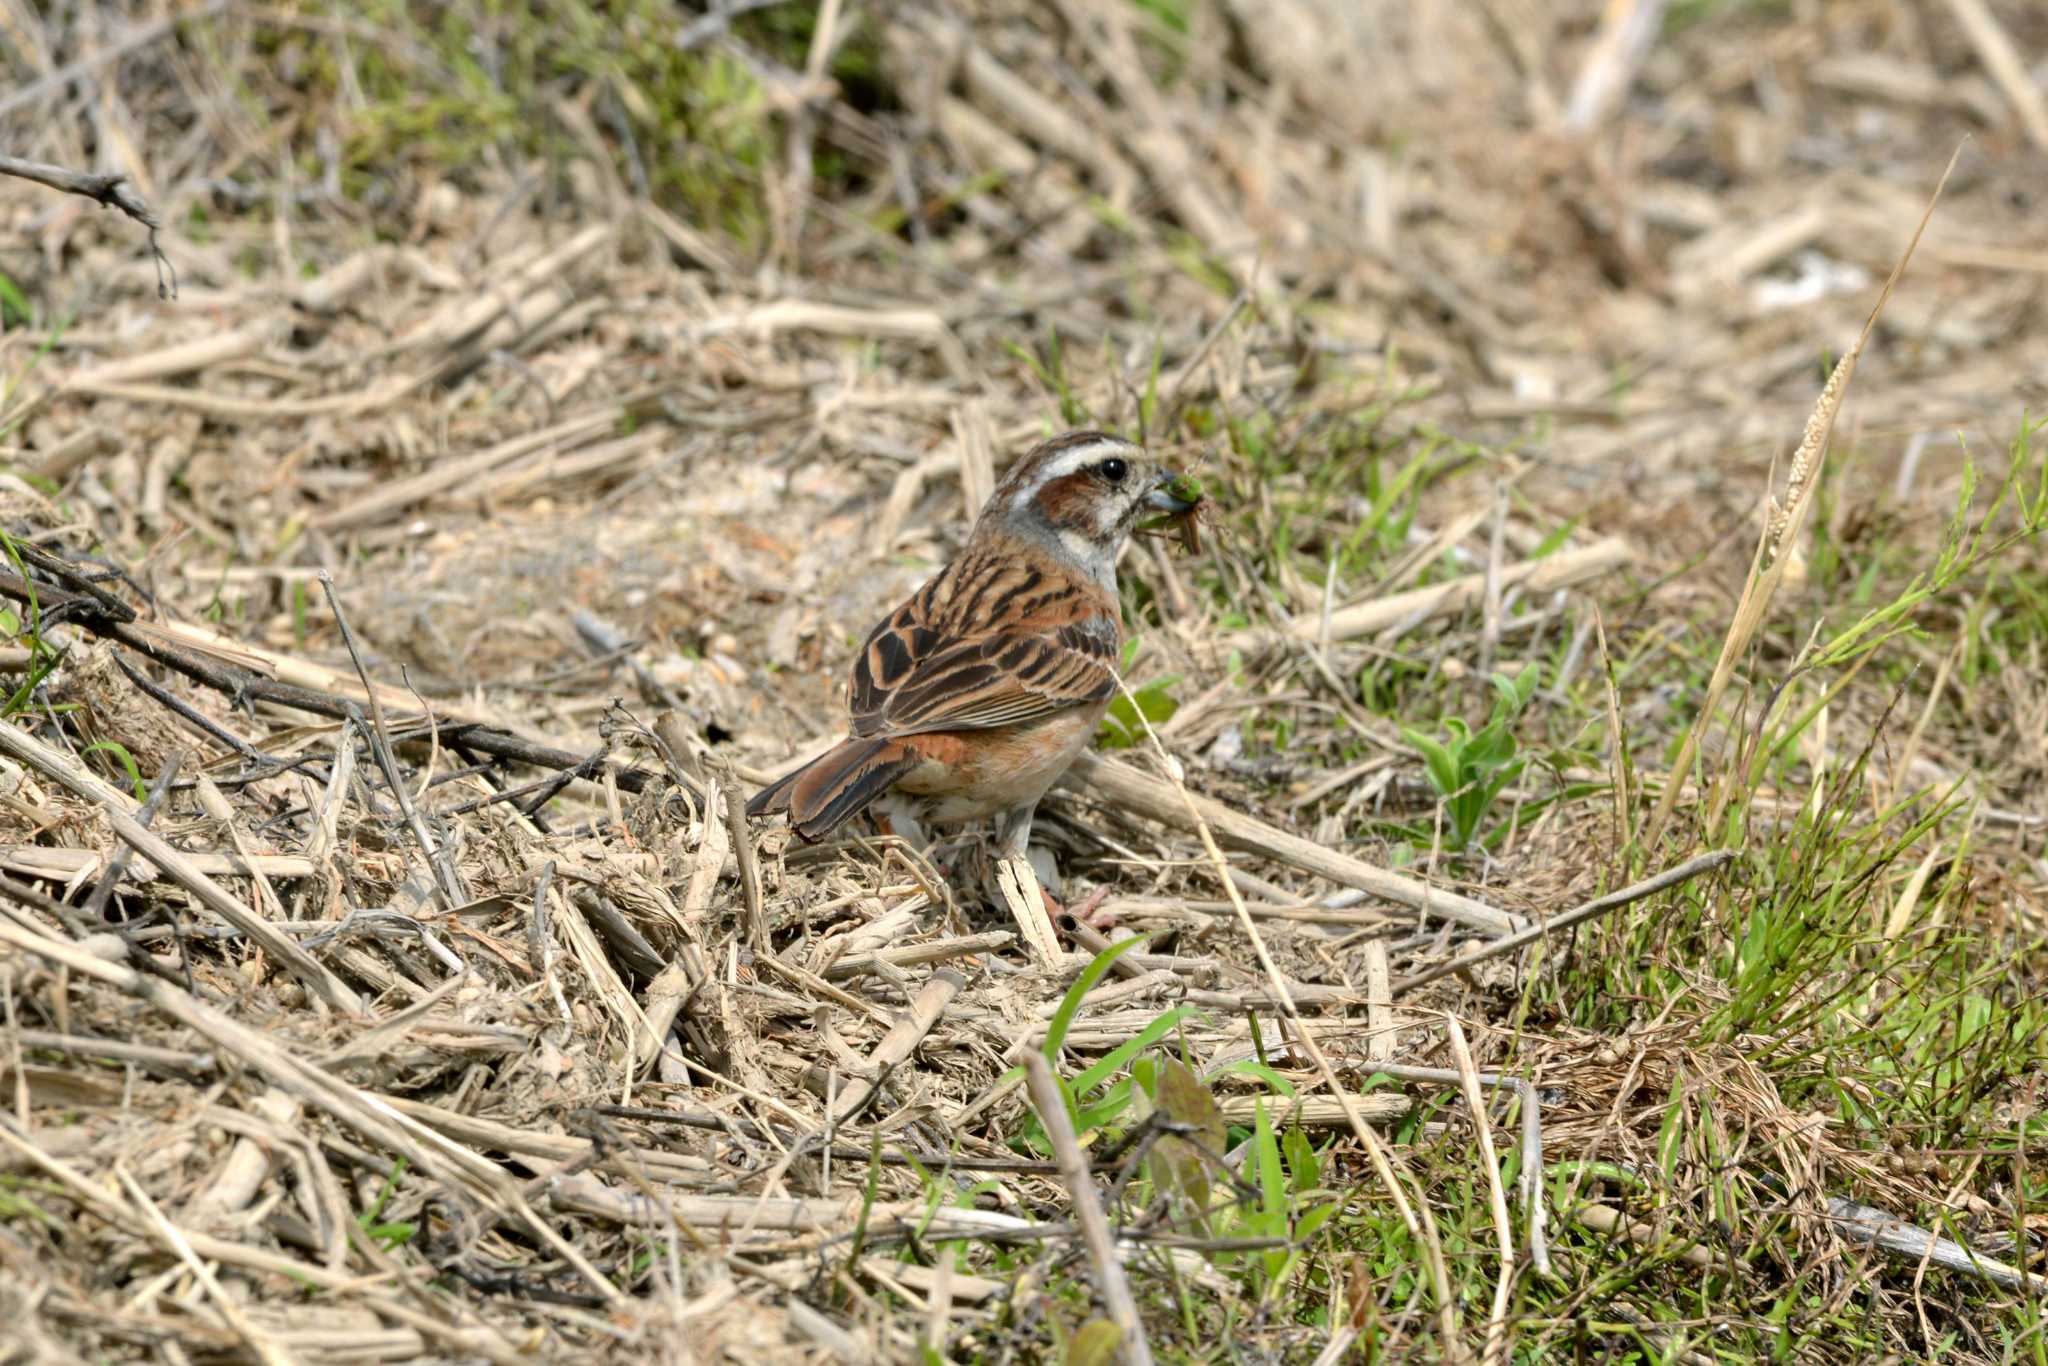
(1443, 769)
(383, 1195)
(1550, 543)
(1123, 725)
(1155, 703)
(1148, 402)
(1063, 1020)
(1485, 749)
(1303, 1168)
(1317, 1215)
(1526, 683)
(14, 306)
(120, 751)
(1265, 1155)
(1179, 1163)
(1113, 1061)
(1252, 1067)
(1070, 1004)
(1104, 1110)
(1096, 1344)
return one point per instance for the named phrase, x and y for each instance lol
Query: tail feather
(775, 796)
(836, 786)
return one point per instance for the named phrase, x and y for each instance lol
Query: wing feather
(991, 642)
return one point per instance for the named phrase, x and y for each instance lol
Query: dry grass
(553, 396)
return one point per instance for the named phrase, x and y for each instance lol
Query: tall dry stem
(1768, 567)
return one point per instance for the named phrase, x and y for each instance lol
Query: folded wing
(1004, 648)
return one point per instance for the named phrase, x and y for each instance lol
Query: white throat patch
(1088, 555)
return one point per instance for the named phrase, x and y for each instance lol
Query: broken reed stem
(52, 764)
(117, 866)
(1121, 785)
(1066, 1148)
(901, 1041)
(108, 618)
(372, 1116)
(749, 864)
(482, 1340)
(1422, 1228)
(1559, 570)
(1768, 567)
(267, 1351)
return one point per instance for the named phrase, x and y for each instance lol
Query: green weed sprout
(1468, 769)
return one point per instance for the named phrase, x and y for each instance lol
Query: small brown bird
(970, 699)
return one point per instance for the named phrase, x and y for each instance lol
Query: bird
(971, 698)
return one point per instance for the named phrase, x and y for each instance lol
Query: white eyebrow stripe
(1081, 457)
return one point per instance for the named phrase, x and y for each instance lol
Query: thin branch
(1508, 943)
(438, 862)
(109, 190)
(112, 619)
(1088, 1213)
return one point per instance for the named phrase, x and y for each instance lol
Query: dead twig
(1887, 1233)
(56, 766)
(901, 1041)
(1508, 943)
(2007, 66)
(380, 1121)
(380, 746)
(103, 892)
(1109, 1268)
(108, 189)
(1421, 1223)
(749, 864)
(174, 1238)
(1531, 1178)
(1468, 1082)
(1561, 570)
(107, 617)
(1121, 785)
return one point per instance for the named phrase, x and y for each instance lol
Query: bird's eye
(1113, 470)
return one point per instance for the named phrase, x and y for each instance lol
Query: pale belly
(998, 770)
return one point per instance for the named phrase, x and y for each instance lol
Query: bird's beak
(1174, 494)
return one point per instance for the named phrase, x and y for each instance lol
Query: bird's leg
(1013, 840)
(1013, 830)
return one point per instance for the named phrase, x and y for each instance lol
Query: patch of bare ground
(1568, 928)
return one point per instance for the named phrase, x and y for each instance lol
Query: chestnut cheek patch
(1069, 503)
